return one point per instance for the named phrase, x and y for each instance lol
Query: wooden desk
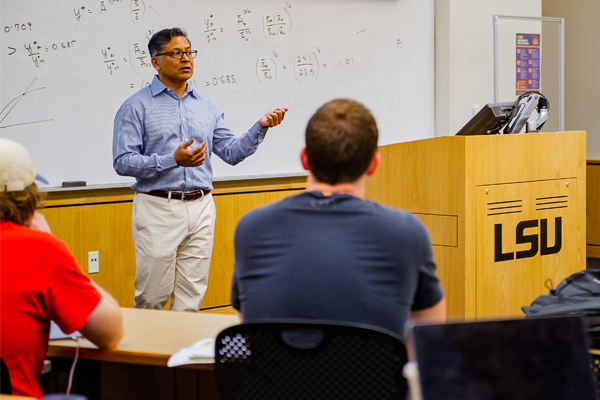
(8, 397)
(137, 367)
(151, 336)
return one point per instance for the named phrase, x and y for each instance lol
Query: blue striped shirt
(154, 122)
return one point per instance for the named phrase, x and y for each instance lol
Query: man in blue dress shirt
(164, 136)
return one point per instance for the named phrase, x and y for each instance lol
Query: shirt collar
(191, 90)
(158, 87)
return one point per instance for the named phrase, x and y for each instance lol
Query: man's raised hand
(272, 118)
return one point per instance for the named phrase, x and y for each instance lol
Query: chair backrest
(5, 385)
(309, 360)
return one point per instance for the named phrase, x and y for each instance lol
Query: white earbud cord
(71, 373)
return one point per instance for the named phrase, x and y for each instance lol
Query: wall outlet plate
(93, 262)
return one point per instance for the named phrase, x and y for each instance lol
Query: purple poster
(528, 63)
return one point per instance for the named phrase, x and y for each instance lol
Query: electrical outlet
(93, 262)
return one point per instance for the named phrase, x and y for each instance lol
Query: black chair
(596, 367)
(5, 385)
(291, 359)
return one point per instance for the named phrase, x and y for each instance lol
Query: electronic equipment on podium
(530, 111)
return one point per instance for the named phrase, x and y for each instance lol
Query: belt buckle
(172, 192)
(193, 195)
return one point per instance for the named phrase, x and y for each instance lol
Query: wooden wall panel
(593, 208)
(452, 279)
(100, 220)
(102, 227)
(504, 286)
(230, 208)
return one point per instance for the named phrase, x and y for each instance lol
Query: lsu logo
(538, 242)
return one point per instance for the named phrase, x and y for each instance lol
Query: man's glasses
(178, 54)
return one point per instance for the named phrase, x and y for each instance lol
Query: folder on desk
(201, 352)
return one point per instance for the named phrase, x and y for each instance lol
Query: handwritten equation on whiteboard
(137, 57)
(120, 57)
(136, 10)
(305, 67)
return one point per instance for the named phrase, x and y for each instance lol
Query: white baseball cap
(16, 167)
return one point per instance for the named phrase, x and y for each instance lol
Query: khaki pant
(173, 242)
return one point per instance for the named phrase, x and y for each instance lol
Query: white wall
(464, 56)
(582, 62)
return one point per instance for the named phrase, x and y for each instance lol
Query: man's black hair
(159, 40)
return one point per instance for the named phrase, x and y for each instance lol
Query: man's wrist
(168, 161)
(257, 132)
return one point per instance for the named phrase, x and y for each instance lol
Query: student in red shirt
(40, 280)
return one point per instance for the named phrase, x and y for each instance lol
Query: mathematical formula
(221, 80)
(137, 9)
(278, 24)
(137, 57)
(35, 50)
(243, 28)
(304, 66)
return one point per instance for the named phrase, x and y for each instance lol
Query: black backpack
(578, 294)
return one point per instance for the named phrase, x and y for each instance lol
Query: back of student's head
(341, 139)
(19, 196)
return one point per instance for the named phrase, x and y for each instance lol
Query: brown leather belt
(171, 194)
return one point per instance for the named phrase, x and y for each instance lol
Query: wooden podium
(506, 213)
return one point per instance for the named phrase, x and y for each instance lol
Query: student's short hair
(341, 139)
(160, 39)
(19, 206)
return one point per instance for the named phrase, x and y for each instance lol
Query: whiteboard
(68, 65)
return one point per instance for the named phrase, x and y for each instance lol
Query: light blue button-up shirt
(154, 122)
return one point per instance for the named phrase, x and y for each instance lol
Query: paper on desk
(201, 352)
